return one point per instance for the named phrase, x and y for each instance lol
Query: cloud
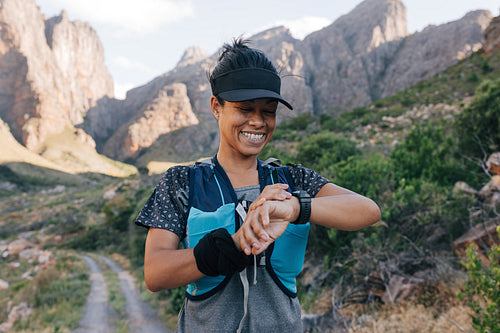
(135, 16)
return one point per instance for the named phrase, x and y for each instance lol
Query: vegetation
(406, 163)
(57, 294)
(482, 290)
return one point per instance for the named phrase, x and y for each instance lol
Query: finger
(245, 247)
(264, 215)
(256, 223)
(250, 237)
(276, 192)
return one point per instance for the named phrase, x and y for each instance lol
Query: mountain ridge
(359, 58)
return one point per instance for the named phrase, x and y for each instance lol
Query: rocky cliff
(363, 56)
(51, 71)
(492, 36)
(52, 75)
(434, 49)
(346, 59)
(169, 110)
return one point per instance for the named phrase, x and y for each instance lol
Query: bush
(478, 125)
(482, 290)
(428, 153)
(320, 151)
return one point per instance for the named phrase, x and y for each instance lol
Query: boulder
(18, 246)
(483, 236)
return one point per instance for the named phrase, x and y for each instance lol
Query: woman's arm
(165, 266)
(340, 208)
(333, 207)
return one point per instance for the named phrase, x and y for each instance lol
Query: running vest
(212, 205)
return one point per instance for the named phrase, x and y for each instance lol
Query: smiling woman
(239, 218)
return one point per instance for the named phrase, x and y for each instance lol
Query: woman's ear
(215, 105)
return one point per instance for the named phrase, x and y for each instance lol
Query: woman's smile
(256, 138)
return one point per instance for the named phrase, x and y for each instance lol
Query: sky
(144, 39)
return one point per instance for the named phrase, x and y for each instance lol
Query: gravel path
(97, 311)
(141, 317)
(99, 317)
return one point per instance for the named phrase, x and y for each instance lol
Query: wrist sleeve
(216, 254)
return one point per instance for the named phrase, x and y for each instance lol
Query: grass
(115, 297)
(56, 293)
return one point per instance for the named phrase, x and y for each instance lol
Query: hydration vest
(213, 204)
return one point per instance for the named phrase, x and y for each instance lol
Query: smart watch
(305, 206)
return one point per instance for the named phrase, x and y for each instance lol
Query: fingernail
(256, 245)
(264, 237)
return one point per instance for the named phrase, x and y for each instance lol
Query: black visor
(248, 83)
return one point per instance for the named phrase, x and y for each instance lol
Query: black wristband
(216, 254)
(305, 206)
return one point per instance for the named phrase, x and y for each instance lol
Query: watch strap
(305, 206)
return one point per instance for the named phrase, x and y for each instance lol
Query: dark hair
(239, 55)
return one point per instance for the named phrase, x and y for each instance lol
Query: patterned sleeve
(166, 208)
(306, 179)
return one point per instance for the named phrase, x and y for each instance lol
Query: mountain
(52, 72)
(53, 78)
(365, 55)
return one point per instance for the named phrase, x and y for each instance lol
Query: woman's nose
(257, 118)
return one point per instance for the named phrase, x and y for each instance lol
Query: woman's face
(245, 127)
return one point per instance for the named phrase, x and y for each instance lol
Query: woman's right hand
(255, 234)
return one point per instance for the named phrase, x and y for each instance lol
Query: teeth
(253, 137)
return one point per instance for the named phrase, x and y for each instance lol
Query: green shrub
(428, 153)
(320, 151)
(482, 290)
(478, 125)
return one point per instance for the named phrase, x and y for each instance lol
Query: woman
(244, 223)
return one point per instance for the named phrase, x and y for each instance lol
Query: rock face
(492, 36)
(51, 71)
(168, 111)
(346, 59)
(362, 56)
(431, 51)
(52, 74)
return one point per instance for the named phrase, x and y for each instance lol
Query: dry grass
(415, 318)
(433, 308)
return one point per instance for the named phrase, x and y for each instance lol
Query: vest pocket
(287, 258)
(200, 223)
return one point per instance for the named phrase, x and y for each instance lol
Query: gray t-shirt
(269, 308)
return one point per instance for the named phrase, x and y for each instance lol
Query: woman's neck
(240, 171)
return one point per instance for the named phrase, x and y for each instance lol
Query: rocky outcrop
(346, 59)
(492, 36)
(192, 55)
(484, 234)
(168, 111)
(431, 51)
(51, 71)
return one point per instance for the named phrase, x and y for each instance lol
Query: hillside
(405, 151)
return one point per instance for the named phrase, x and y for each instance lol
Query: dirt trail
(99, 316)
(141, 317)
(97, 311)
